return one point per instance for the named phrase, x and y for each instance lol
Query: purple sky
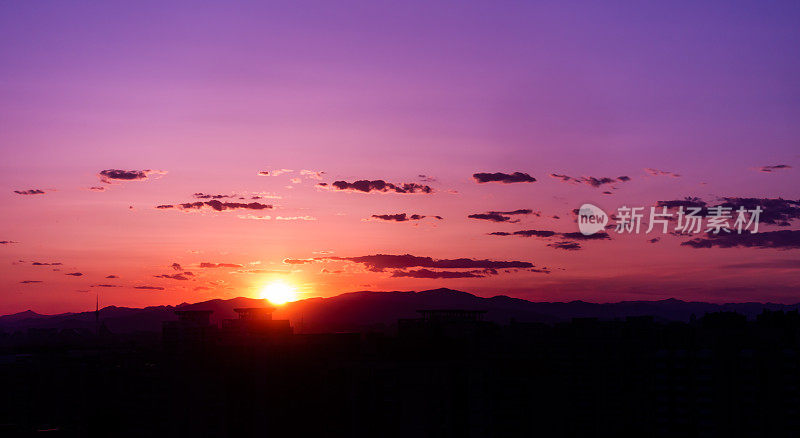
(212, 93)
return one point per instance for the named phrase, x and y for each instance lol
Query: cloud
(110, 176)
(770, 169)
(775, 211)
(149, 287)
(46, 264)
(177, 267)
(568, 243)
(590, 180)
(427, 273)
(29, 192)
(312, 174)
(105, 285)
(111, 276)
(275, 172)
(219, 265)
(97, 189)
(525, 233)
(379, 185)
(75, 274)
(31, 281)
(686, 203)
(500, 216)
(172, 276)
(427, 178)
(217, 205)
(298, 261)
(7, 242)
(568, 246)
(505, 178)
(380, 262)
(580, 236)
(784, 239)
(207, 196)
(656, 172)
(295, 218)
(401, 217)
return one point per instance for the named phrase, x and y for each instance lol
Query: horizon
(154, 154)
(279, 307)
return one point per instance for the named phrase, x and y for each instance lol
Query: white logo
(591, 219)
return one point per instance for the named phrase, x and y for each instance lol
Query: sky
(255, 121)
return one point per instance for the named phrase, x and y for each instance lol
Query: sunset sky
(255, 111)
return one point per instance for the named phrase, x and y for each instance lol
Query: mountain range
(367, 310)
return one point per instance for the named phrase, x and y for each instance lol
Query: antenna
(97, 314)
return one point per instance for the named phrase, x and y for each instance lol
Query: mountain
(381, 310)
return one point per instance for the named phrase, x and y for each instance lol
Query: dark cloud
(218, 205)
(505, 178)
(177, 267)
(590, 180)
(656, 172)
(774, 168)
(105, 285)
(75, 274)
(111, 276)
(686, 203)
(46, 264)
(426, 178)
(379, 185)
(525, 233)
(172, 276)
(401, 217)
(7, 242)
(149, 287)
(775, 211)
(784, 239)
(654, 240)
(207, 196)
(427, 273)
(29, 192)
(568, 246)
(379, 262)
(500, 216)
(579, 236)
(97, 189)
(219, 265)
(109, 176)
(31, 281)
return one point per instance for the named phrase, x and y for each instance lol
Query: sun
(279, 292)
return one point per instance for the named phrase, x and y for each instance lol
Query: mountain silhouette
(367, 310)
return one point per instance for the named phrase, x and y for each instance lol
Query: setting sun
(279, 292)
